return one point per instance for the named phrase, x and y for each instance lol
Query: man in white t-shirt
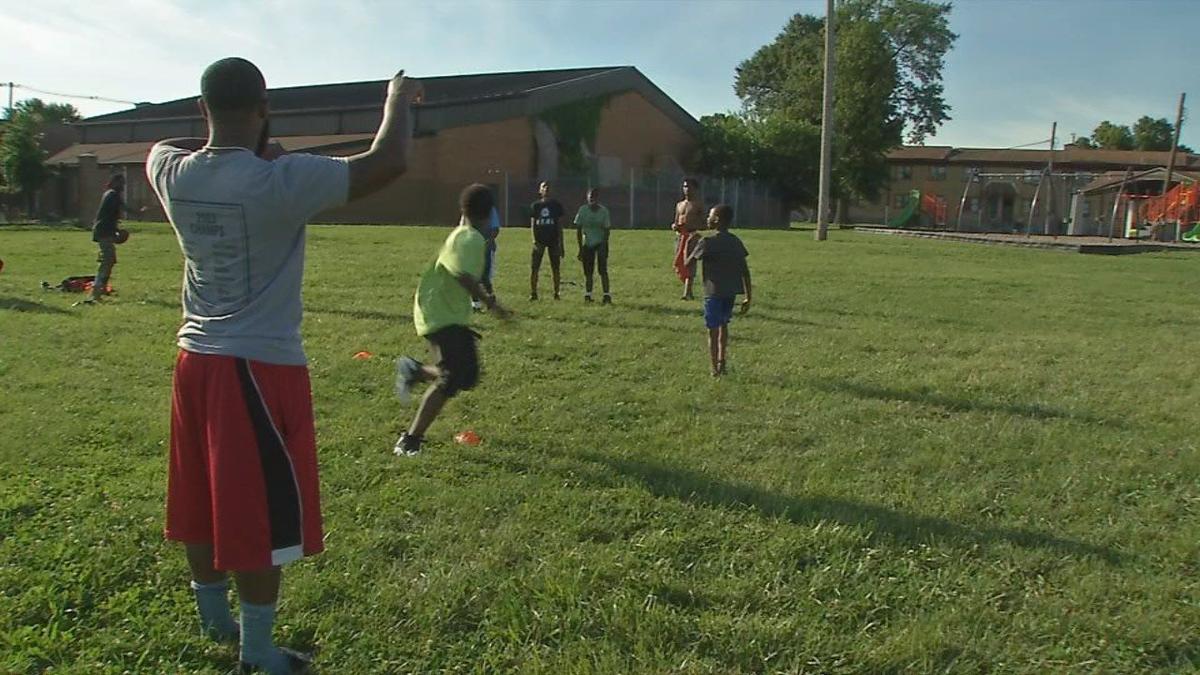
(242, 492)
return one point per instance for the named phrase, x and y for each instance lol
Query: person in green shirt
(592, 225)
(442, 314)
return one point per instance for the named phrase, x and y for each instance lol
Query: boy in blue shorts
(442, 315)
(726, 276)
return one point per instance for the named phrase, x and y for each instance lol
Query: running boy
(442, 313)
(726, 275)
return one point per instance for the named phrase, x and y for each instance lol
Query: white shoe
(406, 376)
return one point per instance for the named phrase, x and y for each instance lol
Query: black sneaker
(556, 295)
(407, 445)
(297, 663)
(533, 296)
(607, 300)
(587, 297)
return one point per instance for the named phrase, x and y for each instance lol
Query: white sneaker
(406, 376)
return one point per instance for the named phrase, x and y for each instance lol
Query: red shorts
(243, 473)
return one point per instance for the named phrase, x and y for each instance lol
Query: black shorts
(548, 237)
(454, 350)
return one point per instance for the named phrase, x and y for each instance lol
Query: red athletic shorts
(243, 473)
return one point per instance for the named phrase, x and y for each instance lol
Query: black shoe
(587, 297)
(297, 663)
(607, 299)
(407, 445)
(556, 295)
(533, 296)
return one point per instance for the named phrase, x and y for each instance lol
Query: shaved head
(232, 85)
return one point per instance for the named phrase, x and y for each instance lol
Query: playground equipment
(917, 203)
(1180, 205)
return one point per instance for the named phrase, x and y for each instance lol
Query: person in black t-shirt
(544, 215)
(726, 276)
(104, 233)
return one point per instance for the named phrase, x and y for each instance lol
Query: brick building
(498, 128)
(996, 188)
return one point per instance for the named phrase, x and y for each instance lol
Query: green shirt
(594, 224)
(441, 301)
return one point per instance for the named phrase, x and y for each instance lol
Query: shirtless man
(689, 218)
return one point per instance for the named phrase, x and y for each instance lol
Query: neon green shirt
(440, 300)
(594, 224)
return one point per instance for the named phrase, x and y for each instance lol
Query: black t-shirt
(546, 213)
(107, 216)
(723, 258)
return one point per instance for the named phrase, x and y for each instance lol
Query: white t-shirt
(241, 221)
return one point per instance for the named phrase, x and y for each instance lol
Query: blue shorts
(718, 311)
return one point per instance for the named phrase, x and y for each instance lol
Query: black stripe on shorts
(279, 480)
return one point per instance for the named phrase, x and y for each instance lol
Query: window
(937, 172)
(903, 172)
(970, 172)
(974, 204)
(1032, 176)
(899, 201)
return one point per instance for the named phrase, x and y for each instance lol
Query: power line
(75, 96)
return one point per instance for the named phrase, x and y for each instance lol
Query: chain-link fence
(640, 198)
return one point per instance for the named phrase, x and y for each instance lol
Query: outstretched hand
(411, 91)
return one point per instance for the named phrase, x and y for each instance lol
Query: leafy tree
(1084, 142)
(1153, 134)
(890, 55)
(22, 160)
(1109, 136)
(1147, 133)
(46, 113)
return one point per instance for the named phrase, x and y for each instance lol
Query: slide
(910, 209)
(1193, 235)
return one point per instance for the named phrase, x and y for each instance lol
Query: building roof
(1069, 155)
(1112, 180)
(439, 90)
(129, 153)
(355, 107)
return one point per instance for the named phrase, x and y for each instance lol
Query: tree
(22, 160)
(46, 113)
(1153, 134)
(890, 55)
(1084, 142)
(1109, 136)
(726, 147)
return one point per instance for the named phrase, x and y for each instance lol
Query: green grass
(928, 457)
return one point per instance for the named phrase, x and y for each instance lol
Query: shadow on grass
(22, 305)
(908, 529)
(957, 404)
(696, 310)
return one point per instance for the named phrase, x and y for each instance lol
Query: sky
(1018, 65)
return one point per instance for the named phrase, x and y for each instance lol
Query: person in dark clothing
(104, 233)
(544, 215)
(726, 275)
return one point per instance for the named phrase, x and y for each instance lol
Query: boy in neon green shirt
(592, 226)
(442, 314)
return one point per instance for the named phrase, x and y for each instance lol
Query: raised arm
(370, 171)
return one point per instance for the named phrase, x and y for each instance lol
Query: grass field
(927, 457)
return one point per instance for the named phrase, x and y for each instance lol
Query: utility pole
(1171, 159)
(826, 128)
(10, 99)
(1049, 183)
